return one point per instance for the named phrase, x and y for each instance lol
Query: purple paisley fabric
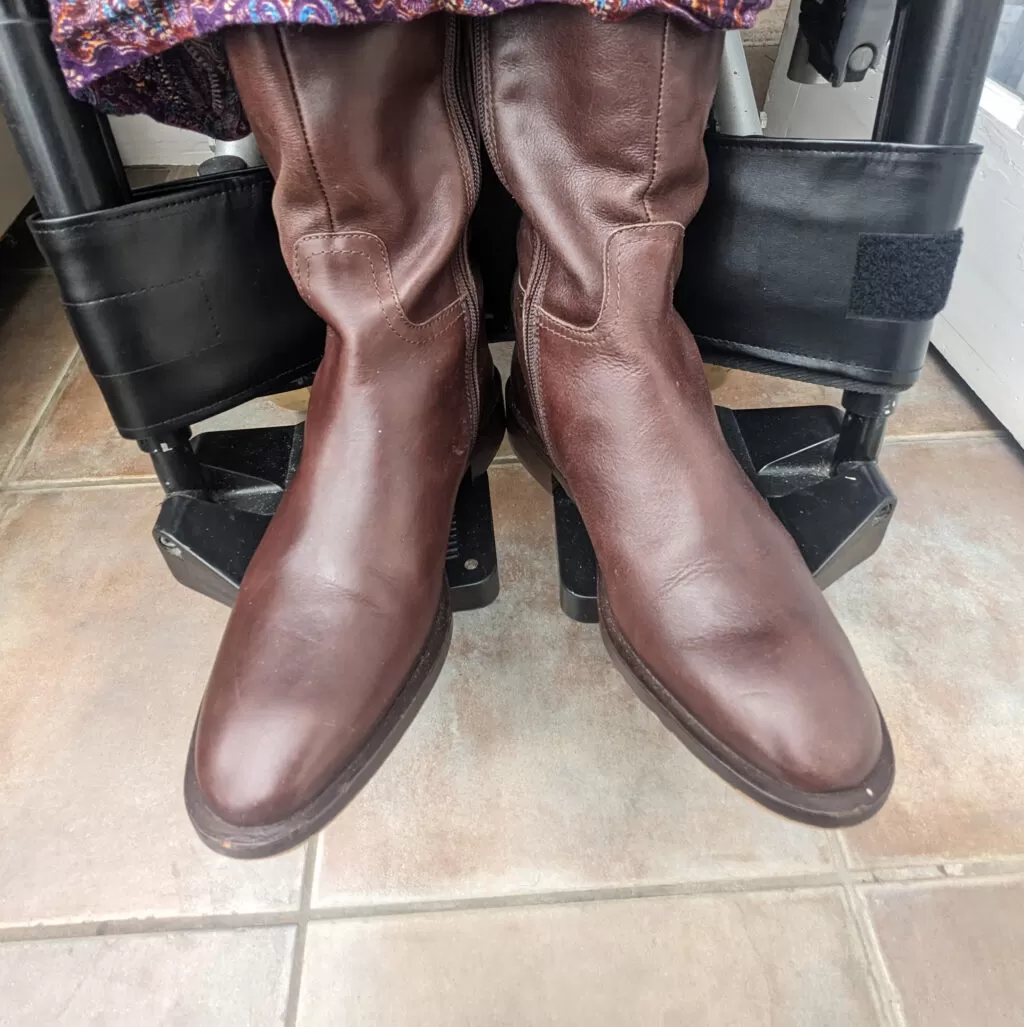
(163, 58)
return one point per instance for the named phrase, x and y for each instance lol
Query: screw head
(861, 59)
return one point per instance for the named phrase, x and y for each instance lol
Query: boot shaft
(367, 130)
(593, 127)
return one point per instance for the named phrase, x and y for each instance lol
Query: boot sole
(259, 841)
(845, 808)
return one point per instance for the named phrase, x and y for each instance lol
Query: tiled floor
(537, 850)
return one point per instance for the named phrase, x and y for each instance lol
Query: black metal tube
(175, 462)
(66, 146)
(863, 428)
(936, 69)
(71, 159)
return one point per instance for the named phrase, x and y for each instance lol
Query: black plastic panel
(838, 516)
(209, 539)
(181, 301)
(772, 257)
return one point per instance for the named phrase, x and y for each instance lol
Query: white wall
(142, 141)
(981, 332)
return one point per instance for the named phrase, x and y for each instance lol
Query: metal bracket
(841, 40)
(837, 516)
(208, 538)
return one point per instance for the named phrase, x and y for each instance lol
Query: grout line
(299, 952)
(974, 435)
(824, 879)
(45, 410)
(948, 875)
(147, 925)
(305, 914)
(919, 875)
(71, 484)
(883, 987)
(505, 460)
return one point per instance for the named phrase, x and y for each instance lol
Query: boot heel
(491, 431)
(577, 562)
(471, 563)
(526, 443)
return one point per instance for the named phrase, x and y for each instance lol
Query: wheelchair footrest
(837, 516)
(208, 540)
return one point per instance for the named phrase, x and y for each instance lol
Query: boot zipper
(532, 296)
(462, 116)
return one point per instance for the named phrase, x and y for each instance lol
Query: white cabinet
(981, 332)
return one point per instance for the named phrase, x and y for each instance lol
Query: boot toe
(262, 768)
(820, 750)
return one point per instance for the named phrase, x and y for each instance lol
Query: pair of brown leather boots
(343, 621)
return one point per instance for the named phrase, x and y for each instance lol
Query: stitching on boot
(448, 73)
(630, 231)
(532, 314)
(459, 263)
(657, 120)
(279, 36)
(440, 322)
(426, 337)
(341, 237)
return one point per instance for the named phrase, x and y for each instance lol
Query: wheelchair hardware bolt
(170, 545)
(884, 514)
(861, 59)
(471, 564)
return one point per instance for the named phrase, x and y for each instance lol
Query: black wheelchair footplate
(208, 537)
(837, 511)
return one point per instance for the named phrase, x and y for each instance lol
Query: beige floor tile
(954, 952)
(181, 172)
(940, 403)
(936, 618)
(79, 439)
(35, 345)
(501, 352)
(715, 961)
(761, 63)
(534, 768)
(194, 979)
(145, 175)
(257, 413)
(743, 390)
(767, 30)
(103, 659)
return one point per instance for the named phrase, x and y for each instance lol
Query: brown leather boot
(706, 605)
(343, 620)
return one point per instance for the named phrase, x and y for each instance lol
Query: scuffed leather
(373, 193)
(596, 129)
